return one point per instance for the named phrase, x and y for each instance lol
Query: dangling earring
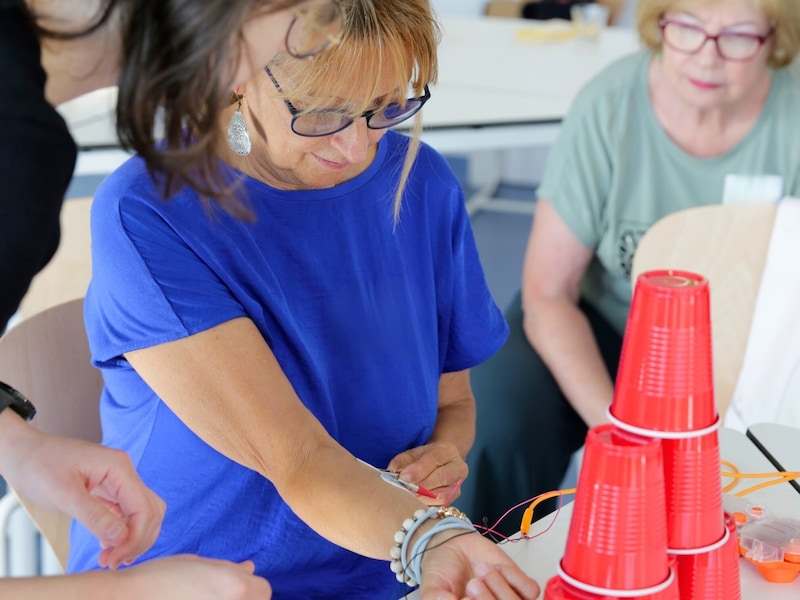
(238, 134)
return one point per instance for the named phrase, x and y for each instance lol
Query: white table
(490, 80)
(494, 92)
(500, 90)
(781, 444)
(539, 557)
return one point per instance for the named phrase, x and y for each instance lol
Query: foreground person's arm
(181, 576)
(96, 485)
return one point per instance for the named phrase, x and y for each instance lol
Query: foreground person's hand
(188, 576)
(96, 485)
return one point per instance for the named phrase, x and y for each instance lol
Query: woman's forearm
(94, 585)
(227, 386)
(561, 335)
(455, 422)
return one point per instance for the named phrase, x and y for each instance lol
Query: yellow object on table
(552, 30)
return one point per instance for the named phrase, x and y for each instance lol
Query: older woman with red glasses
(291, 374)
(707, 113)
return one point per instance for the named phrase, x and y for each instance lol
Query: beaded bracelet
(409, 572)
(405, 532)
(418, 550)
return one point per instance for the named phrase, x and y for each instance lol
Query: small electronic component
(770, 542)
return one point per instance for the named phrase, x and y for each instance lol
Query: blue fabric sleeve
(148, 285)
(477, 328)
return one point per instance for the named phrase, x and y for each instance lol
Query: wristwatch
(16, 401)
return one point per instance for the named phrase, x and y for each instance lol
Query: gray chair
(47, 358)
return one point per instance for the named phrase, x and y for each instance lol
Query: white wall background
(462, 8)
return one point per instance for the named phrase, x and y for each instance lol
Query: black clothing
(37, 159)
(526, 431)
(549, 9)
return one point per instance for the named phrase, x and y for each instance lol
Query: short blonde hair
(782, 15)
(394, 40)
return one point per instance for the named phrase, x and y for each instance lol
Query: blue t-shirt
(362, 313)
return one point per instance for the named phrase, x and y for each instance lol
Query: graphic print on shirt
(629, 234)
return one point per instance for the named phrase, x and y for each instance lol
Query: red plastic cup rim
(710, 548)
(638, 593)
(664, 435)
(676, 278)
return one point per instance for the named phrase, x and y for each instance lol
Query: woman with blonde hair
(292, 376)
(173, 62)
(707, 113)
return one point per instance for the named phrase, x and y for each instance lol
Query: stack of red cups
(617, 542)
(665, 391)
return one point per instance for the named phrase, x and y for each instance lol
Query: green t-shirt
(614, 171)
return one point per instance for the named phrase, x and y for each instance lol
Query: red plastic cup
(618, 533)
(665, 379)
(558, 589)
(712, 574)
(693, 491)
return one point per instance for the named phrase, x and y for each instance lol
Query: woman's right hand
(188, 576)
(458, 565)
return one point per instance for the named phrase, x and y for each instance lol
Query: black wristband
(16, 401)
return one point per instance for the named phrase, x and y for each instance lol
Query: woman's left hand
(458, 565)
(438, 467)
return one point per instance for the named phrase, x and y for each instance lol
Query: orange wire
(734, 474)
(790, 474)
(749, 490)
(730, 465)
(733, 468)
(777, 477)
(527, 516)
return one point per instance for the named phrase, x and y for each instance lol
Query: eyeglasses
(731, 45)
(322, 122)
(313, 29)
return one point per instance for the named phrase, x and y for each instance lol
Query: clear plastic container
(770, 542)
